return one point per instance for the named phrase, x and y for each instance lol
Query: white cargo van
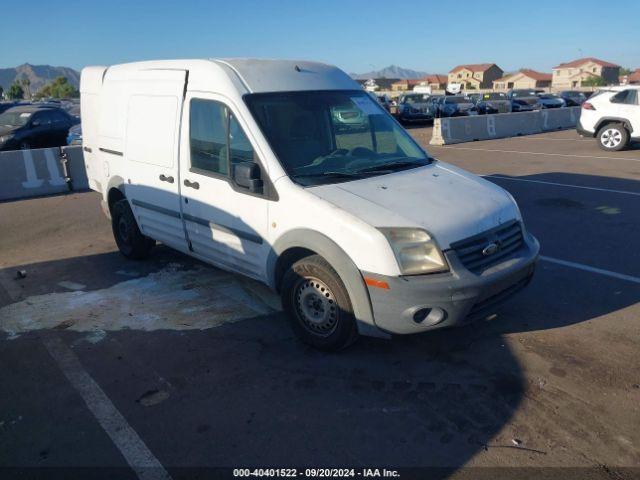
(289, 173)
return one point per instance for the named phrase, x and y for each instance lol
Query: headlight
(415, 250)
(5, 138)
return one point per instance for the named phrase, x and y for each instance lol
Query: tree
(625, 71)
(1, 92)
(594, 81)
(59, 88)
(25, 83)
(15, 92)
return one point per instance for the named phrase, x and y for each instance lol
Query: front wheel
(130, 240)
(318, 305)
(613, 137)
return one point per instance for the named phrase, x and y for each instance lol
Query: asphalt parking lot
(157, 367)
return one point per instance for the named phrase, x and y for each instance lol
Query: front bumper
(453, 298)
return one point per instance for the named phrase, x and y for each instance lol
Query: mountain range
(392, 71)
(39, 75)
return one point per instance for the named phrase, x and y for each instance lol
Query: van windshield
(333, 136)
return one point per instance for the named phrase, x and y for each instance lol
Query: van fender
(343, 265)
(116, 182)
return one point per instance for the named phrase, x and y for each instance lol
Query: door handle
(164, 178)
(195, 185)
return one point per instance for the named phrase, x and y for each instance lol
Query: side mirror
(247, 175)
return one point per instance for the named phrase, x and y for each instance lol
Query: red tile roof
(436, 78)
(632, 78)
(582, 61)
(539, 76)
(474, 67)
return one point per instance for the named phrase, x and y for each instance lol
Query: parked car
(612, 115)
(573, 98)
(493, 102)
(549, 100)
(360, 234)
(74, 137)
(521, 105)
(415, 107)
(30, 126)
(474, 97)
(529, 96)
(5, 106)
(455, 105)
(384, 100)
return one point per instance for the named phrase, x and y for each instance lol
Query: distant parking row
(421, 107)
(25, 126)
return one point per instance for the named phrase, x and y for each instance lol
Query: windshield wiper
(390, 167)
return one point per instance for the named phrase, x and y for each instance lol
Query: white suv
(613, 116)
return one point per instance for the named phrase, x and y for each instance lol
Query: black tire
(613, 137)
(130, 240)
(318, 305)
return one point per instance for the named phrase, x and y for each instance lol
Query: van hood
(448, 202)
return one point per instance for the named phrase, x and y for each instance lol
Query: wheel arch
(298, 243)
(607, 120)
(114, 191)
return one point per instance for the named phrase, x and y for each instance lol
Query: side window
(239, 145)
(42, 119)
(208, 136)
(58, 118)
(628, 97)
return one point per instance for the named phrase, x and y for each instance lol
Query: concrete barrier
(502, 125)
(73, 158)
(31, 173)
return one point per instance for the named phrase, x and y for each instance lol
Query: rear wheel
(318, 305)
(613, 137)
(130, 240)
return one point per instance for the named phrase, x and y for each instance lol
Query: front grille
(508, 238)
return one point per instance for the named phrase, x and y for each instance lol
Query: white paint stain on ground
(170, 299)
(72, 285)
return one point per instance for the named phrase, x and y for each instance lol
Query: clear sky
(356, 35)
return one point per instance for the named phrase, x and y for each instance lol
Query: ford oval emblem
(490, 249)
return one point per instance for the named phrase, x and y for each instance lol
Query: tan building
(475, 76)
(572, 74)
(525, 78)
(435, 81)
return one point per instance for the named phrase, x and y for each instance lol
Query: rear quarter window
(628, 97)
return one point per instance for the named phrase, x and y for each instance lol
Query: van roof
(256, 75)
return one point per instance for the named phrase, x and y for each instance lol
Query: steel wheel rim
(123, 230)
(611, 138)
(316, 306)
